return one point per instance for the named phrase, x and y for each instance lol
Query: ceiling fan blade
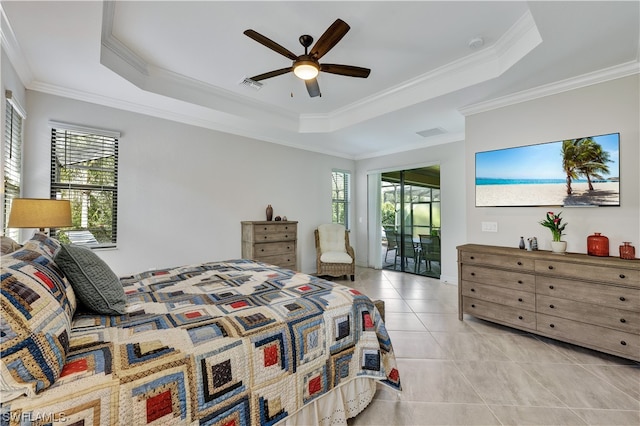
(270, 44)
(348, 70)
(270, 74)
(330, 38)
(312, 87)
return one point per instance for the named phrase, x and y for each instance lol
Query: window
(84, 170)
(12, 158)
(340, 197)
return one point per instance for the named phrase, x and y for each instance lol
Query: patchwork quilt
(223, 343)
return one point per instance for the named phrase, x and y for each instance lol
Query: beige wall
(602, 108)
(183, 190)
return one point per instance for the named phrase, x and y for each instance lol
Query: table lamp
(39, 213)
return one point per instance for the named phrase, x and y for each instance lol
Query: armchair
(334, 255)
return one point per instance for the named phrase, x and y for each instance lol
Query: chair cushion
(335, 257)
(95, 284)
(37, 307)
(331, 237)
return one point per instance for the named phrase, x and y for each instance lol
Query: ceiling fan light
(306, 70)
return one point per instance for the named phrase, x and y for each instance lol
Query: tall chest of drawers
(270, 242)
(584, 300)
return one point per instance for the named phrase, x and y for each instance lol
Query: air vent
(252, 84)
(432, 132)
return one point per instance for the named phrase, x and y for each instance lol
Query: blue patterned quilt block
(222, 343)
(36, 322)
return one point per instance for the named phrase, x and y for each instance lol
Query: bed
(233, 342)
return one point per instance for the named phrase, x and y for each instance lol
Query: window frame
(345, 200)
(83, 145)
(14, 118)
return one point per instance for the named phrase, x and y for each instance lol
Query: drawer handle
(261, 249)
(623, 343)
(622, 276)
(265, 237)
(622, 320)
(622, 299)
(519, 281)
(552, 325)
(519, 299)
(520, 317)
(552, 306)
(286, 236)
(550, 266)
(519, 263)
(265, 228)
(551, 287)
(471, 257)
(473, 289)
(473, 306)
(473, 274)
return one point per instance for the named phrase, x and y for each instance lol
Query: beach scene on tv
(573, 172)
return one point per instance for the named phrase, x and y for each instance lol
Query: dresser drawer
(607, 274)
(510, 279)
(499, 295)
(275, 232)
(600, 294)
(270, 249)
(519, 318)
(619, 319)
(282, 260)
(512, 262)
(606, 339)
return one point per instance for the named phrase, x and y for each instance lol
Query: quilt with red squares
(222, 343)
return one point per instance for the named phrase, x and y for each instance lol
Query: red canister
(597, 245)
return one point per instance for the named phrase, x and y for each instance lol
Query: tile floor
(474, 372)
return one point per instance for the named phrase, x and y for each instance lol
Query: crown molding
(11, 46)
(589, 79)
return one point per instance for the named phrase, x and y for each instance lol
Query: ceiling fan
(307, 66)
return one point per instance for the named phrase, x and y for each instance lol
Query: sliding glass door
(410, 213)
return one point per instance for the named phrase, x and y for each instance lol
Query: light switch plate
(489, 226)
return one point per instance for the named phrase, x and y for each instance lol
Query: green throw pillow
(94, 283)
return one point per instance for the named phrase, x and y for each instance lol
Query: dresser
(270, 242)
(584, 300)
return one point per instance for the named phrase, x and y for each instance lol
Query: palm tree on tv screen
(583, 157)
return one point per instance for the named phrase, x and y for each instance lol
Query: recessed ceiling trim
(116, 56)
(480, 66)
(475, 68)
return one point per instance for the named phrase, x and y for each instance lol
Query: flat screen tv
(574, 172)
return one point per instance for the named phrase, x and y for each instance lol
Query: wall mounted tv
(575, 172)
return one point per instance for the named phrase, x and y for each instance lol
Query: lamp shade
(39, 213)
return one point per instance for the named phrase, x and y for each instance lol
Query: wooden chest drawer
(512, 262)
(599, 294)
(612, 341)
(270, 249)
(275, 232)
(282, 260)
(500, 295)
(507, 315)
(607, 274)
(619, 319)
(510, 279)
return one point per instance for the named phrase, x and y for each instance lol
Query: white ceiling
(184, 61)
